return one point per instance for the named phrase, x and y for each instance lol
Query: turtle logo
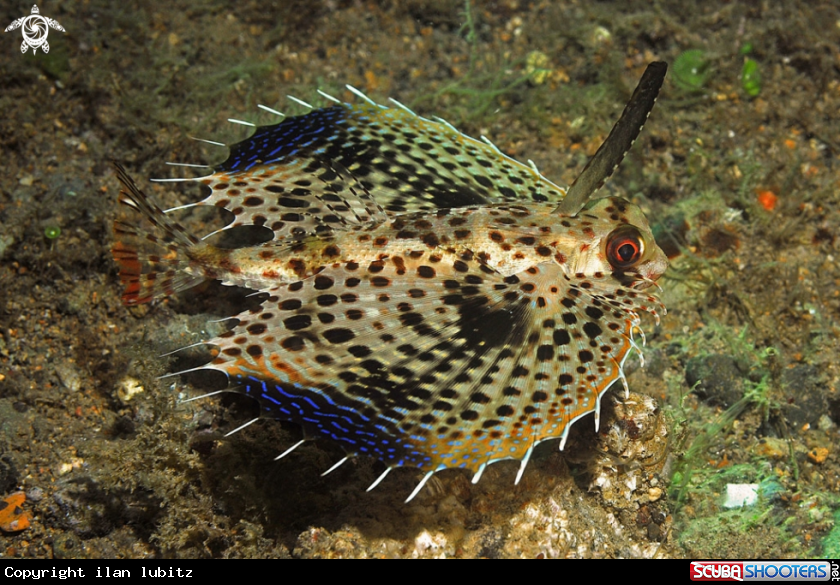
(35, 29)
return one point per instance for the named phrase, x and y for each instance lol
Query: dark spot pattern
(400, 337)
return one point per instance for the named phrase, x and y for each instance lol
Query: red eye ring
(625, 247)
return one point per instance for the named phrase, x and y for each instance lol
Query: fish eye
(625, 247)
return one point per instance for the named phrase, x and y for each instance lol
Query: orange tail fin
(151, 253)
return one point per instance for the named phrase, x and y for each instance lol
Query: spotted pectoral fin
(298, 198)
(408, 163)
(431, 365)
(356, 353)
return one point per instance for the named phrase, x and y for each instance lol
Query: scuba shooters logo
(762, 570)
(717, 571)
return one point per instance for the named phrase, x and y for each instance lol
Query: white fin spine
(213, 142)
(448, 125)
(218, 231)
(487, 141)
(379, 479)
(565, 435)
(638, 350)
(173, 374)
(402, 106)
(271, 110)
(329, 97)
(174, 351)
(363, 96)
(336, 466)
(301, 102)
(184, 206)
(190, 165)
(420, 485)
(598, 412)
(479, 473)
(181, 179)
(623, 381)
(208, 395)
(240, 427)
(290, 449)
(223, 319)
(523, 464)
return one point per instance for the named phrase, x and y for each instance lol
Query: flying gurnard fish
(429, 301)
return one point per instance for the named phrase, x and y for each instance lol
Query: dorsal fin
(622, 136)
(409, 162)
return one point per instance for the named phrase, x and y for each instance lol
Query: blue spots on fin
(290, 138)
(320, 415)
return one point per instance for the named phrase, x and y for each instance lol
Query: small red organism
(767, 199)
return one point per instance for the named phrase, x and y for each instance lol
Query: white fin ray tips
(180, 179)
(336, 466)
(487, 141)
(447, 124)
(208, 395)
(402, 106)
(173, 374)
(213, 142)
(479, 473)
(379, 479)
(598, 412)
(290, 449)
(624, 383)
(329, 97)
(523, 464)
(240, 427)
(420, 485)
(184, 206)
(271, 110)
(565, 436)
(363, 96)
(190, 165)
(182, 348)
(301, 102)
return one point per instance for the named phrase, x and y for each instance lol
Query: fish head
(619, 242)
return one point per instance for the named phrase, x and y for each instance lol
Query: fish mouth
(632, 280)
(635, 280)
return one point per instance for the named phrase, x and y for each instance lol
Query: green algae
(751, 80)
(691, 70)
(831, 541)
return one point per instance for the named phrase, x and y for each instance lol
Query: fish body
(506, 239)
(428, 301)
